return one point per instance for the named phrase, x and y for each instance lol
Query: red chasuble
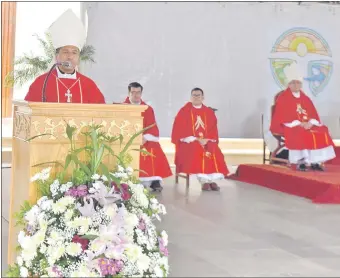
(289, 108)
(156, 165)
(192, 158)
(82, 89)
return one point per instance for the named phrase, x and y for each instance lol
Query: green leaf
(68, 161)
(143, 152)
(70, 131)
(37, 136)
(89, 237)
(105, 171)
(99, 157)
(94, 138)
(48, 163)
(133, 137)
(82, 165)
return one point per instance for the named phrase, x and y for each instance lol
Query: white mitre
(68, 30)
(292, 72)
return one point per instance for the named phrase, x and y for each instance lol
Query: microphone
(65, 64)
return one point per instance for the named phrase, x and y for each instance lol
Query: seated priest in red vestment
(65, 84)
(155, 167)
(296, 118)
(195, 137)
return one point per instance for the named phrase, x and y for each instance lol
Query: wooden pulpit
(35, 118)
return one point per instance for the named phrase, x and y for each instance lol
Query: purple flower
(56, 271)
(109, 266)
(162, 247)
(79, 191)
(142, 224)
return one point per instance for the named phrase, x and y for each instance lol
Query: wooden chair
(280, 139)
(186, 176)
(264, 157)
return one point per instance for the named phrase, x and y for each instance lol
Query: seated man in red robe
(65, 84)
(155, 167)
(195, 136)
(296, 118)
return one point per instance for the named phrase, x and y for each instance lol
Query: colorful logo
(310, 51)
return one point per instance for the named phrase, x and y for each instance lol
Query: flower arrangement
(92, 224)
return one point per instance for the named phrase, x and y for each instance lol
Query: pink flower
(123, 189)
(162, 247)
(83, 242)
(79, 191)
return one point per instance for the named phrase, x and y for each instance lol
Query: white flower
(73, 249)
(20, 261)
(162, 209)
(23, 272)
(55, 237)
(55, 253)
(45, 174)
(164, 236)
(83, 223)
(97, 185)
(39, 237)
(54, 187)
(98, 246)
(28, 255)
(110, 210)
(131, 220)
(92, 190)
(35, 177)
(43, 248)
(95, 177)
(143, 262)
(129, 171)
(32, 214)
(41, 200)
(158, 271)
(66, 201)
(133, 252)
(58, 208)
(65, 187)
(46, 205)
(68, 214)
(104, 178)
(120, 169)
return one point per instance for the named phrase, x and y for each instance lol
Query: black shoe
(301, 167)
(156, 186)
(317, 167)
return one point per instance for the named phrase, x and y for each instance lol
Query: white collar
(296, 94)
(197, 106)
(134, 103)
(67, 75)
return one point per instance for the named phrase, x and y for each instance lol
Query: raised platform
(320, 187)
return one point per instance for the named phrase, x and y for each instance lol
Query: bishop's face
(135, 95)
(197, 98)
(295, 86)
(70, 54)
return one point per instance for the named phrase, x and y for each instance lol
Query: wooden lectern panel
(32, 119)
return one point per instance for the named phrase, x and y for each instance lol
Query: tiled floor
(246, 231)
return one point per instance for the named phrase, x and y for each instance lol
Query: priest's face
(70, 54)
(135, 95)
(197, 98)
(295, 86)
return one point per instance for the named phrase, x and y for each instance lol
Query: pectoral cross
(68, 95)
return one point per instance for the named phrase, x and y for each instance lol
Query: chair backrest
(275, 100)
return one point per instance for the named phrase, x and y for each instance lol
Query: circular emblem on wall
(310, 51)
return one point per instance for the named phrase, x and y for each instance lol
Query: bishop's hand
(203, 142)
